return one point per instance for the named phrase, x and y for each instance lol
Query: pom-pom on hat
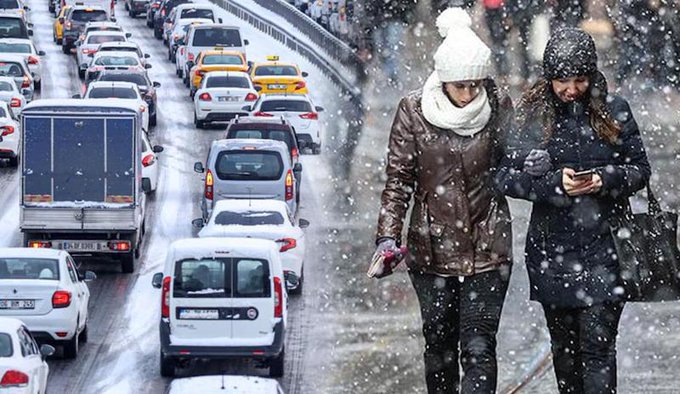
(570, 52)
(462, 55)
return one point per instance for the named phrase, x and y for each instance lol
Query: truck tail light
(26, 83)
(287, 244)
(289, 185)
(39, 244)
(310, 116)
(165, 298)
(205, 97)
(148, 160)
(119, 246)
(278, 297)
(6, 130)
(251, 96)
(260, 113)
(61, 299)
(14, 378)
(209, 182)
(15, 102)
(300, 85)
(33, 60)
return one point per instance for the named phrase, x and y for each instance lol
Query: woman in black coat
(568, 123)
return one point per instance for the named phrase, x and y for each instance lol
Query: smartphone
(583, 175)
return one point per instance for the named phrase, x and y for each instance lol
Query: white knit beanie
(463, 55)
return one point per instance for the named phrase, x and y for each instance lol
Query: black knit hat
(570, 52)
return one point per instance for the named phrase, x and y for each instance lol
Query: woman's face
(461, 93)
(570, 89)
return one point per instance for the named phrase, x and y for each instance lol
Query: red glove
(386, 257)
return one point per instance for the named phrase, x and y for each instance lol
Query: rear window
(217, 37)
(9, 4)
(116, 61)
(100, 39)
(196, 13)
(3, 114)
(26, 268)
(88, 16)
(286, 105)
(221, 278)
(249, 165)
(5, 345)
(249, 218)
(222, 59)
(6, 86)
(227, 82)
(12, 28)
(11, 69)
(6, 47)
(138, 79)
(276, 70)
(102, 28)
(118, 49)
(122, 93)
(278, 135)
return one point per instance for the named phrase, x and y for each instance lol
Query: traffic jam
(89, 167)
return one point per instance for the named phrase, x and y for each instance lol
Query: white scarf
(440, 111)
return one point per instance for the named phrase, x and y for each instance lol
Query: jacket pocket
(419, 234)
(446, 248)
(494, 234)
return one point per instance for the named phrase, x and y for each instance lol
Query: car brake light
(278, 297)
(310, 116)
(148, 160)
(165, 298)
(33, 60)
(191, 57)
(251, 96)
(26, 83)
(119, 246)
(288, 244)
(295, 153)
(209, 185)
(300, 85)
(6, 130)
(289, 185)
(15, 102)
(14, 378)
(205, 97)
(260, 113)
(89, 51)
(155, 5)
(68, 25)
(199, 73)
(40, 244)
(163, 12)
(61, 299)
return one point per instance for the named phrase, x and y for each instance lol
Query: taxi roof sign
(273, 58)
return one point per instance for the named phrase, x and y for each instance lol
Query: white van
(222, 298)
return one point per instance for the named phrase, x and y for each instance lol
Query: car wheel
(149, 24)
(199, 123)
(81, 73)
(180, 73)
(316, 149)
(126, 7)
(14, 161)
(186, 78)
(58, 41)
(38, 85)
(167, 366)
(170, 56)
(153, 119)
(71, 348)
(83, 335)
(65, 49)
(54, 37)
(157, 33)
(133, 14)
(127, 263)
(276, 365)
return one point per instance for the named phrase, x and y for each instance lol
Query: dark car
(154, 5)
(74, 23)
(162, 13)
(136, 7)
(141, 79)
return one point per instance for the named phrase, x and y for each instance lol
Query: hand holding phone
(583, 175)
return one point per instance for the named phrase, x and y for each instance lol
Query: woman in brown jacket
(443, 149)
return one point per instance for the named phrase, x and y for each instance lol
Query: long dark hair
(539, 102)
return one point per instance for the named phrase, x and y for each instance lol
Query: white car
(26, 48)
(17, 7)
(150, 163)
(208, 37)
(101, 26)
(90, 45)
(222, 298)
(22, 363)
(179, 31)
(188, 11)
(16, 66)
(10, 94)
(10, 133)
(42, 288)
(113, 61)
(221, 96)
(119, 90)
(127, 46)
(264, 219)
(213, 384)
(299, 110)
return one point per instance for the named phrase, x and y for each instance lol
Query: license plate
(227, 98)
(276, 86)
(199, 314)
(219, 48)
(17, 304)
(68, 245)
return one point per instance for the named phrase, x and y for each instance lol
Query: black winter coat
(569, 249)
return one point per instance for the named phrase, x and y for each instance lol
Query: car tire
(133, 14)
(127, 263)
(149, 24)
(65, 49)
(200, 124)
(276, 365)
(316, 149)
(83, 335)
(168, 364)
(126, 7)
(301, 282)
(71, 347)
(58, 41)
(81, 73)
(153, 120)
(38, 85)
(170, 56)
(54, 37)
(14, 161)
(157, 33)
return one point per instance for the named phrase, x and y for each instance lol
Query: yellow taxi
(274, 76)
(58, 27)
(216, 61)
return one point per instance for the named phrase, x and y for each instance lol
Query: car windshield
(222, 59)
(102, 28)
(11, 69)
(286, 105)
(29, 268)
(111, 92)
(9, 4)
(116, 61)
(196, 13)
(217, 37)
(249, 218)
(100, 39)
(12, 28)
(249, 165)
(227, 82)
(89, 15)
(138, 79)
(6, 86)
(286, 71)
(220, 278)
(5, 345)
(6, 47)
(278, 135)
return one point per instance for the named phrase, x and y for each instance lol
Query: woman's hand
(537, 162)
(575, 187)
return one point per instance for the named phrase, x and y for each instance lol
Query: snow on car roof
(192, 248)
(240, 143)
(232, 384)
(188, 21)
(251, 205)
(31, 252)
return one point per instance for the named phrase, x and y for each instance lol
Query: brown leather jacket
(459, 225)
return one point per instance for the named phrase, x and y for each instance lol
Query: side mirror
(198, 223)
(246, 108)
(27, 8)
(168, 20)
(89, 276)
(156, 84)
(84, 65)
(292, 280)
(297, 167)
(157, 280)
(147, 66)
(41, 53)
(179, 41)
(257, 88)
(128, 35)
(76, 96)
(30, 32)
(146, 56)
(78, 43)
(25, 92)
(113, 19)
(219, 20)
(157, 149)
(305, 74)
(46, 351)
(303, 223)
(198, 167)
(146, 185)
(318, 109)
(246, 42)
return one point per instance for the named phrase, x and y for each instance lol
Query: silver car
(16, 66)
(10, 94)
(26, 48)
(248, 169)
